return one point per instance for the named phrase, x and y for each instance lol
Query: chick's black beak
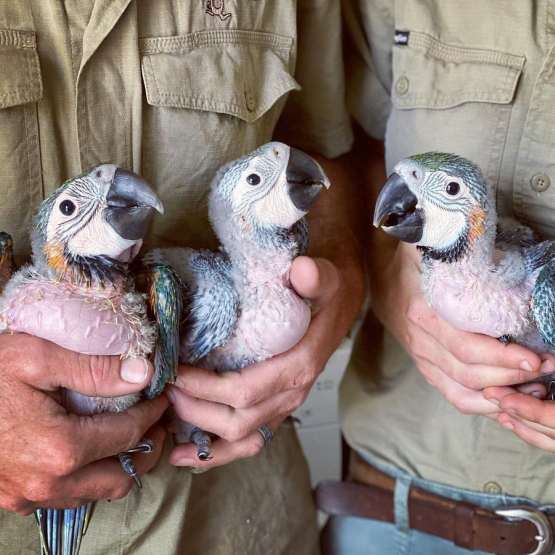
(396, 211)
(306, 179)
(131, 204)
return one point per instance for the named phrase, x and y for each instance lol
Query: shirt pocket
(210, 97)
(452, 99)
(20, 168)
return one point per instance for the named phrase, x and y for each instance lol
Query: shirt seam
(193, 41)
(450, 53)
(17, 39)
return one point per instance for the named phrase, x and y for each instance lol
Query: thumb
(95, 376)
(314, 278)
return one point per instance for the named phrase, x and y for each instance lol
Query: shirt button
(251, 104)
(492, 487)
(540, 182)
(402, 85)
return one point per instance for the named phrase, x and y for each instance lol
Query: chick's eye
(453, 188)
(253, 179)
(67, 208)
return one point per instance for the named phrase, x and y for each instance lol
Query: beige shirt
(171, 89)
(161, 87)
(474, 78)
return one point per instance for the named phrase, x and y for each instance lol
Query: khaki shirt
(171, 89)
(474, 78)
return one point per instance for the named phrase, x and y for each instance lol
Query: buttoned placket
(104, 17)
(534, 199)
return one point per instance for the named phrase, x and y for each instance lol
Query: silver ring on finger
(266, 433)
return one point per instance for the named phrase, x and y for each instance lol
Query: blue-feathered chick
(480, 275)
(240, 307)
(78, 294)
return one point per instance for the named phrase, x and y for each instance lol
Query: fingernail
(508, 425)
(494, 401)
(536, 394)
(134, 370)
(547, 367)
(170, 395)
(525, 365)
(185, 462)
(179, 383)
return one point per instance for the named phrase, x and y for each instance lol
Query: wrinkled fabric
(171, 90)
(475, 79)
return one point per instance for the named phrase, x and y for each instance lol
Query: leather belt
(511, 530)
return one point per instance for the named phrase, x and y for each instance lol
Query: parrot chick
(240, 307)
(480, 275)
(7, 264)
(78, 293)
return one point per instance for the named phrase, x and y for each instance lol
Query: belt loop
(401, 503)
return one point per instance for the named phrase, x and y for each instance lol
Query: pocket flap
(20, 76)
(240, 73)
(431, 74)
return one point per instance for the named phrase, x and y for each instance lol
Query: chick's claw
(146, 446)
(127, 462)
(130, 468)
(204, 444)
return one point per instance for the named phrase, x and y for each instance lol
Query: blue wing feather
(211, 307)
(511, 234)
(61, 530)
(542, 305)
(537, 256)
(166, 294)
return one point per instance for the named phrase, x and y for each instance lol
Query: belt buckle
(544, 537)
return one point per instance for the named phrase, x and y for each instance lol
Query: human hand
(50, 458)
(458, 363)
(234, 404)
(527, 414)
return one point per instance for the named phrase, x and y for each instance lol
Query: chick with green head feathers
(480, 274)
(240, 307)
(79, 294)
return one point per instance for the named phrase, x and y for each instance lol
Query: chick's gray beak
(131, 204)
(396, 211)
(306, 179)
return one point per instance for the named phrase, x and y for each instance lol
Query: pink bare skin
(474, 305)
(61, 460)
(258, 335)
(61, 313)
(233, 405)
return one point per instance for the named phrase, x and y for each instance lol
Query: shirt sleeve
(369, 36)
(315, 118)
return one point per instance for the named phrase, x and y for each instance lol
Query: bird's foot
(127, 462)
(204, 444)
(130, 468)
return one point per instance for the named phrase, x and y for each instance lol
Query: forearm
(336, 226)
